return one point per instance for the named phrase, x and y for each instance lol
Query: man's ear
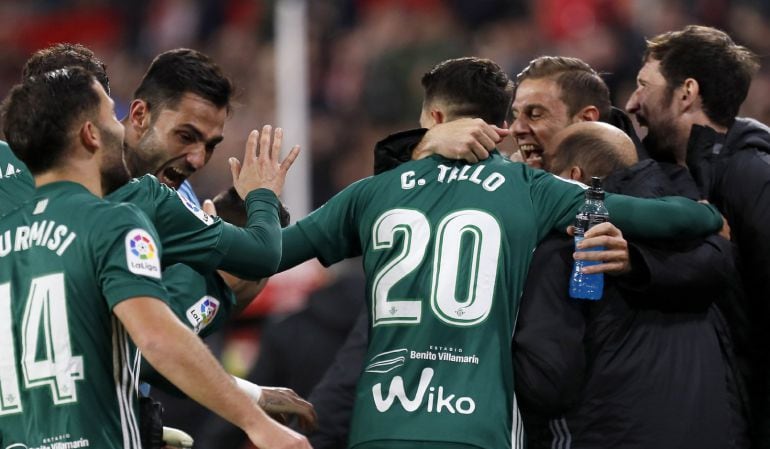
(688, 93)
(139, 116)
(576, 173)
(588, 114)
(437, 116)
(90, 136)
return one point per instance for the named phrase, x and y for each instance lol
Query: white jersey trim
(517, 427)
(126, 379)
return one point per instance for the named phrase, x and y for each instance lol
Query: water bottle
(593, 212)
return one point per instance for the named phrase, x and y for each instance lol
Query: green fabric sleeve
(128, 271)
(330, 232)
(662, 218)
(297, 248)
(253, 252)
(16, 183)
(187, 234)
(558, 201)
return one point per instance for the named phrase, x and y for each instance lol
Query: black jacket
(335, 394)
(647, 366)
(616, 372)
(733, 172)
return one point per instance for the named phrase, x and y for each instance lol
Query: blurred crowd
(366, 56)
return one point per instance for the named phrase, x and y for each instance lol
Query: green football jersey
(187, 234)
(191, 236)
(16, 182)
(67, 370)
(446, 248)
(202, 302)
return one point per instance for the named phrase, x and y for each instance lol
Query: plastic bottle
(593, 212)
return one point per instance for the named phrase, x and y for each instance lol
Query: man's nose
(520, 126)
(197, 157)
(632, 105)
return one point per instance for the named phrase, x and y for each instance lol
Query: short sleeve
(16, 183)
(331, 228)
(555, 200)
(128, 256)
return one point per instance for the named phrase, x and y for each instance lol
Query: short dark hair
(175, 73)
(40, 113)
(589, 151)
(62, 55)
(472, 87)
(580, 84)
(722, 68)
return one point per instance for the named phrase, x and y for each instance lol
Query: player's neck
(84, 175)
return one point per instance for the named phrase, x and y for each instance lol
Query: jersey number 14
(44, 329)
(476, 226)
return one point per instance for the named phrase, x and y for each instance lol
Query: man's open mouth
(172, 177)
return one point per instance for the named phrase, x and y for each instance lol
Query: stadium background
(365, 57)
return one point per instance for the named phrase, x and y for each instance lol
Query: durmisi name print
(45, 233)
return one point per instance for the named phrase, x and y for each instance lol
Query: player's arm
(297, 248)
(259, 180)
(663, 218)
(470, 139)
(244, 291)
(279, 402)
(330, 232)
(253, 251)
(195, 238)
(465, 138)
(182, 358)
(672, 217)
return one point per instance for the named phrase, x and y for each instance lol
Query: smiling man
(551, 94)
(689, 92)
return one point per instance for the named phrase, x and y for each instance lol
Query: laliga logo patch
(202, 313)
(197, 211)
(142, 247)
(141, 254)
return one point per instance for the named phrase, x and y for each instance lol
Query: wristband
(253, 390)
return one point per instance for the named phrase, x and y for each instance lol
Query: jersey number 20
(484, 252)
(44, 329)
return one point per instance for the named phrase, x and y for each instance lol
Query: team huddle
(111, 270)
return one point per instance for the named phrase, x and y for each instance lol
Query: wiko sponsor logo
(437, 400)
